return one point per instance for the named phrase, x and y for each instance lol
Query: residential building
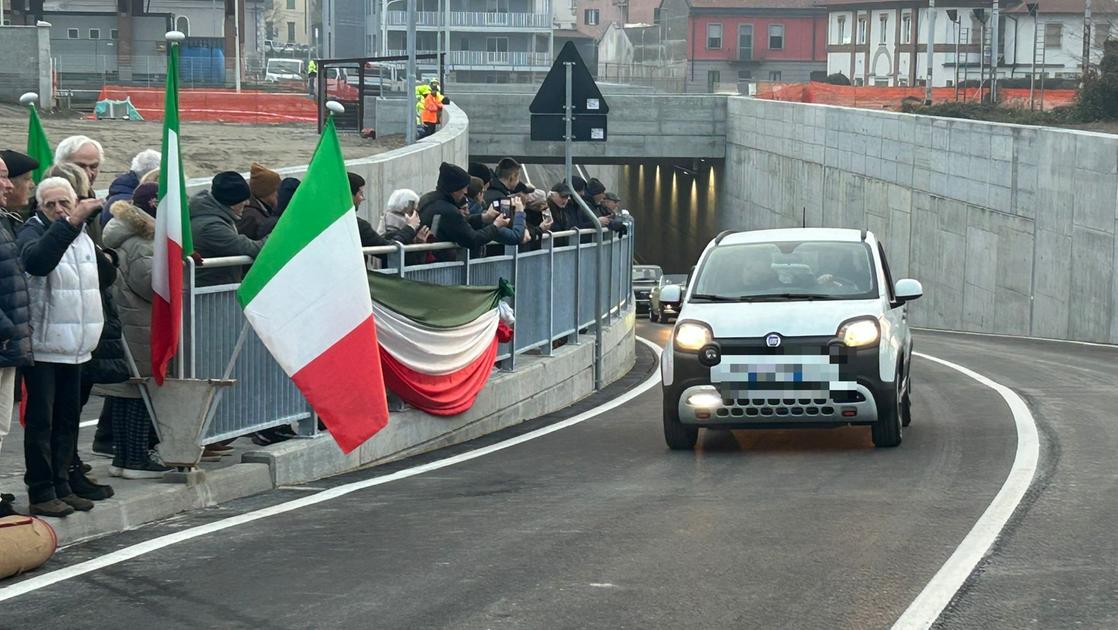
(491, 41)
(732, 42)
(287, 22)
(1056, 36)
(121, 37)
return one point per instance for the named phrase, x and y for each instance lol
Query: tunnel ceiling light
(684, 170)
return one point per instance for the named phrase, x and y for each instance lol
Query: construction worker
(312, 73)
(421, 92)
(432, 107)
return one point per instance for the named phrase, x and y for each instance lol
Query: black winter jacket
(15, 303)
(453, 227)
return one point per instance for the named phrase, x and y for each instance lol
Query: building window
(497, 50)
(72, 33)
(290, 31)
(656, 15)
(714, 77)
(714, 36)
(776, 37)
(906, 28)
(745, 42)
(95, 33)
(884, 37)
(1053, 35)
(182, 25)
(841, 30)
(290, 5)
(114, 34)
(591, 17)
(774, 75)
(745, 75)
(863, 25)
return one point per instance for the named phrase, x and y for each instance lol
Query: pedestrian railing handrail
(556, 287)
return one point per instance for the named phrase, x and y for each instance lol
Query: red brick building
(731, 42)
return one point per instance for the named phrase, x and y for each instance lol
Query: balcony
(427, 20)
(482, 60)
(747, 56)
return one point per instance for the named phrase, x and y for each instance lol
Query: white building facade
(884, 43)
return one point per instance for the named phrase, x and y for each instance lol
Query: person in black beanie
(213, 223)
(442, 206)
(286, 191)
(482, 172)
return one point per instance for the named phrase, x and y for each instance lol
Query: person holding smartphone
(440, 211)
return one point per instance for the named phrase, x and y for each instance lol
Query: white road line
(155, 544)
(937, 594)
(87, 423)
(1092, 344)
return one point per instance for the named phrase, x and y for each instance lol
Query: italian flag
(307, 297)
(438, 343)
(172, 233)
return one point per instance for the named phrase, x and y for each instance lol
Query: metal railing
(554, 300)
(399, 19)
(516, 59)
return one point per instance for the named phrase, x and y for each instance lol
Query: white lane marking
(87, 423)
(155, 544)
(1001, 336)
(937, 594)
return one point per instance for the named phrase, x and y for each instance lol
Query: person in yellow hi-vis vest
(312, 74)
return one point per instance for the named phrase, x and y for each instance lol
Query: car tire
(652, 315)
(887, 432)
(677, 436)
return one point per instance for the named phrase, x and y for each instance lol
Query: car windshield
(647, 273)
(804, 270)
(673, 278)
(286, 66)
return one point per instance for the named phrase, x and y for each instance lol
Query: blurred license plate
(734, 369)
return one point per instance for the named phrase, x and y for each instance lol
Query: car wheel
(886, 432)
(678, 437)
(906, 402)
(652, 315)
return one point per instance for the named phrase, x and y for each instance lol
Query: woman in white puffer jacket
(64, 284)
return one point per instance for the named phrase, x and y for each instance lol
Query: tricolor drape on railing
(438, 343)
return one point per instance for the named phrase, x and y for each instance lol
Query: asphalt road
(600, 526)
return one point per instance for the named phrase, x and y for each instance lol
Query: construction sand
(207, 147)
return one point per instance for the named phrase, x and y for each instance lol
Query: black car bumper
(853, 393)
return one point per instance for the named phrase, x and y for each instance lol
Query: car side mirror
(908, 289)
(670, 293)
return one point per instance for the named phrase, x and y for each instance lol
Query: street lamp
(384, 4)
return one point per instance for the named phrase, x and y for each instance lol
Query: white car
(786, 328)
(283, 70)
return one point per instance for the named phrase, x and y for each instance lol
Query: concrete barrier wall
(415, 166)
(640, 127)
(1011, 229)
(26, 49)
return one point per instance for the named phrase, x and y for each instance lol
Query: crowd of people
(76, 291)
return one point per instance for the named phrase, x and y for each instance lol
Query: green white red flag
(307, 297)
(172, 233)
(438, 343)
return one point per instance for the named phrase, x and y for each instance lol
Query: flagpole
(37, 145)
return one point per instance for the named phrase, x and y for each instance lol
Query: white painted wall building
(873, 45)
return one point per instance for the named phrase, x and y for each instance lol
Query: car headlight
(860, 332)
(692, 336)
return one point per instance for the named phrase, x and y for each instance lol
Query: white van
(279, 69)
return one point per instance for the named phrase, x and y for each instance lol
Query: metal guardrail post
(401, 256)
(589, 214)
(466, 267)
(578, 285)
(187, 360)
(609, 280)
(550, 296)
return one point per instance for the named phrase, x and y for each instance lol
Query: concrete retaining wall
(25, 51)
(540, 385)
(640, 127)
(1011, 229)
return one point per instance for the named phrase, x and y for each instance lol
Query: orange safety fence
(870, 97)
(246, 106)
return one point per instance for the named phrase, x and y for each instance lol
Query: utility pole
(931, 50)
(409, 111)
(1086, 43)
(237, 42)
(994, 54)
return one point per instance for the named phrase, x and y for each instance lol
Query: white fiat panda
(787, 328)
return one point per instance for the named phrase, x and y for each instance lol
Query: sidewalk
(136, 501)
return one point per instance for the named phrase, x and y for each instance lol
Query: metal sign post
(409, 112)
(931, 50)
